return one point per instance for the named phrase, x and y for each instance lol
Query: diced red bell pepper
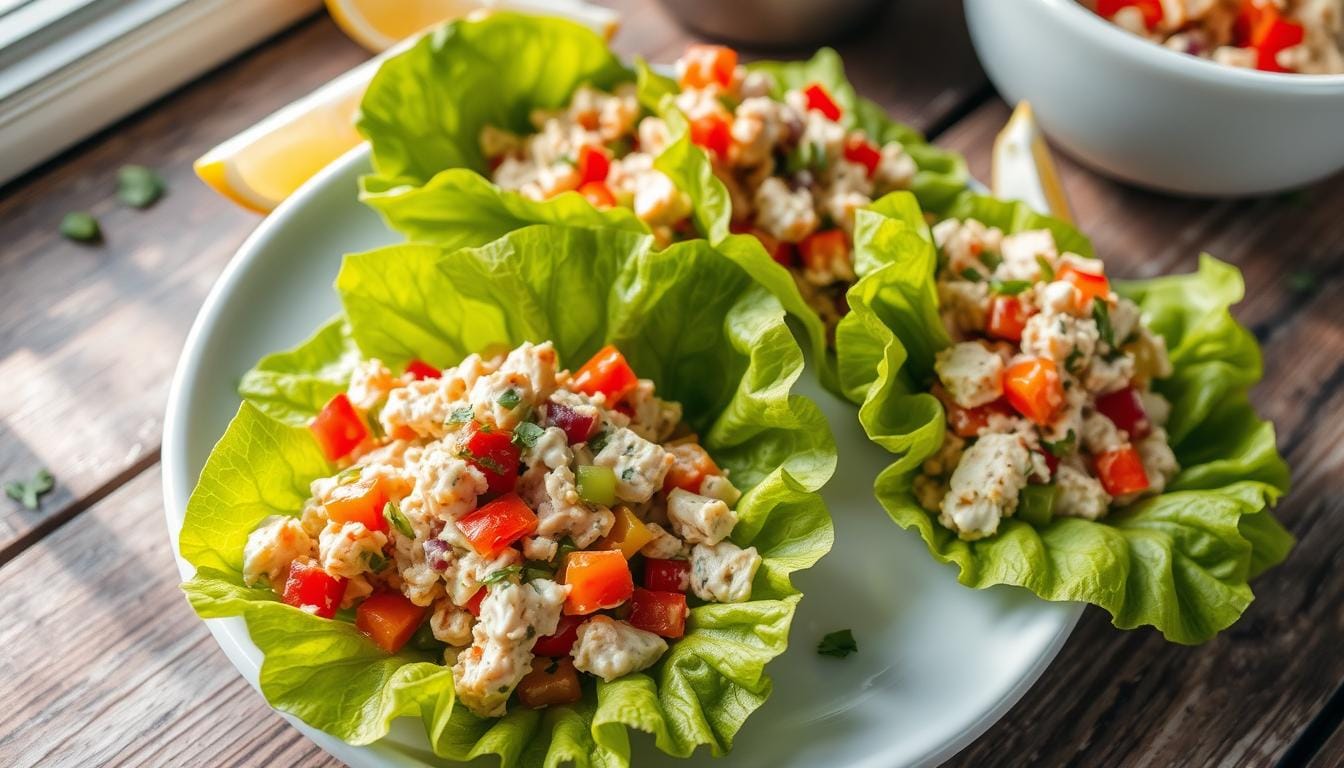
(473, 605)
(578, 428)
(549, 684)
(606, 373)
(860, 150)
(389, 619)
(1034, 389)
(1151, 10)
(705, 65)
(493, 452)
(667, 575)
(693, 463)
(1260, 25)
(599, 194)
(359, 502)
(1007, 318)
(308, 584)
(967, 422)
(820, 250)
(1090, 286)
(1051, 462)
(819, 99)
(1121, 471)
(338, 428)
(662, 613)
(598, 580)
(1124, 408)
(712, 132)
(594, 163)
(562, 641)
(495, 526)
(421, 370)
(784, 253)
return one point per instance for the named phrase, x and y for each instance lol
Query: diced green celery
(597, 485)
(1036, 504)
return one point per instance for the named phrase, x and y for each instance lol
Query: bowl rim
(1084, 22)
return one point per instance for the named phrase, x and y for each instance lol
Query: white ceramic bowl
(1154, 117)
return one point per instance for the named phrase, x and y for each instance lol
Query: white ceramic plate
(937, 663)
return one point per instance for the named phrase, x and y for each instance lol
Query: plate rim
(231, 633)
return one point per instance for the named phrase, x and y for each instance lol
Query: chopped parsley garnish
(27, 492)
(1102, 315)
(484, 462)
(598, 441)
(81, 227)
(510, 399)
(397, 520)
(376, 561)
(535, 570)
(461, 416)
(526, 434)
(496, 576)
(807, 156)
(1047, 271)
(349, 475)
(972, 274)
(1072, 360)
(1008, 287)
(839, 644)
(1061, 448)
(990, 259)
(138, 186)
(567, 545)
(628, 474)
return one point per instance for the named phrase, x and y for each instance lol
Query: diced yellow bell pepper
(628, 533)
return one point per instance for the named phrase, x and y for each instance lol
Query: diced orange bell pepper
(389, 619)
(338, 428)
(693, 465)
(599, 194)
(551, 682)
(495, 526)
(1090, 286)
(1121, 471)
(628, 533)
(1034, 389)
(706, 65)
(598, 580)
(606, 373)
(662, 613)
(359, 502)
(1007, 318)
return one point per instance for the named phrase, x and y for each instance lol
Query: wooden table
(105, 663)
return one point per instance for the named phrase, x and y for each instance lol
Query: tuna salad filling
(599, 147)
(1297, 36)
(1047, 387)
(795, 174)
(538, 526)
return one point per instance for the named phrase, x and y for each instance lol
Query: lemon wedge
(1023, 168)
(380, 24)
(263, 165)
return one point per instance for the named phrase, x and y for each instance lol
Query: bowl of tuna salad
(1213, 98)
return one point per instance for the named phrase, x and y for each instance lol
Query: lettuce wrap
(1179, 561)
(689, 318)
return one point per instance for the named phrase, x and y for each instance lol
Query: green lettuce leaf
(688, 317)
(1179, 561)
(291, 386)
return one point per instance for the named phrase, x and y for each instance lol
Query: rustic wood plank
(1331, 754)
(111, 667)
(89, 335)
(1129, 698)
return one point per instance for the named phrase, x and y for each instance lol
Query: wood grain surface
(109, 666)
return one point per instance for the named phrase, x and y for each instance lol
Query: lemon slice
(263, 165)
(1023, 169)
(380, 24)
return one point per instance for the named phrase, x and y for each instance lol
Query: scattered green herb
(838, 644)
(28, 492)
(81, 227)
(484, 462)
(1102, 315)
(495, 577)
(1071, 362)
(1061, 448)
(628, 474)
(1047, 271)
(376, 561)
(349, 475)
(598, 441)
(566, 546)
(526, 434)
(138, 186)
(991, 259)
(1008, 287)
(972, 274)
(510, 399)
(534, 570)
(398, 520)
(461, 416)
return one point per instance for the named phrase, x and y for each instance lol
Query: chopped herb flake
(376, 561)
(598, 441)
(138, 186)
(398, 520)
(510, 399)
(496, 576)
(628, 474)
(461, 416)
(484, 462)
(349, 475)
(1008, 287)
(1102, 314)
(1071, 362)
(990, 259)
(1061, 448)
(838, 644)
(28, 492)
(1047, 271)
(81, 227)
(526, 434)
(972, 274)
